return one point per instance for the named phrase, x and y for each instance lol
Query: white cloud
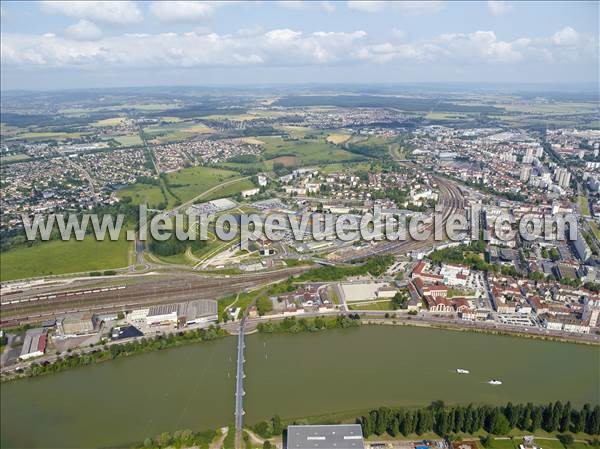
(113, 12)
(565, 37)
(478, 46)
(418, 7)
(407, 7)
(366, 5)
(499, 7)
(83, 30)
(399, 34)
(182, 11)
(298, 5)
(286, 47)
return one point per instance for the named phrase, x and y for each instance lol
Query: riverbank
(111, 352)
(270, 324)
(293, 375)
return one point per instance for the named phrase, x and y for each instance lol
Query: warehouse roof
(196, 309)
(342, 436)
(162, 309)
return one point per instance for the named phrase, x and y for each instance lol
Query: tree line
(106, 352)
(499, 420)
(294, 326)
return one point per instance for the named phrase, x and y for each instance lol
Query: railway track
(125, 297)
(453, 202)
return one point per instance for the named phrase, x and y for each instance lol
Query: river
(127, 400)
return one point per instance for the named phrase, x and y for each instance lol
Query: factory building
(161, 315)
(34, 344)
(76, 324)
(183, 313)
(198, 311)
(340, 436)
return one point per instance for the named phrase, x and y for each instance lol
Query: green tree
(593, 422)
(499, 424)
(277, 425)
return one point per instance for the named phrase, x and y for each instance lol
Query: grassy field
(46, 135)
(109, 122)
(191, 182)
(173, 131)
(308, 151)
(143, 194)
(373, 305)
(594, 228)
(185, 185)
(338, 138)
(14, 158)
(445, 116)
(584, 205)
(129, 141)
(557, 108)
(58, 257)
(230, 189)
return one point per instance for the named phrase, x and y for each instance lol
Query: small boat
(462, 371)
(495, 382)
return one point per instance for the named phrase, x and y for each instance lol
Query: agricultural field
(38, 136)
(115, 121)
(147, 107)
(59, 257)
(175, 131)
(554, 108)
(446, 116)
(338, 138)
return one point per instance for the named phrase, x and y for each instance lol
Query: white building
(250, 192)
(164, 314)
(34, 344)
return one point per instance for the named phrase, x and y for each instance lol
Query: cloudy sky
(68, 44)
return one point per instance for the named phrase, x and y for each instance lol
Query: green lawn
(47, 135)
(373, 305)
(20, 157)
(185, 185)
(230, 189)
(594, 228)
(191, 182)
(58, 257)
(143, 194)
(129, 141)
(584, 205)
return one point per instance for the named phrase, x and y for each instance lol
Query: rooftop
(343, 436)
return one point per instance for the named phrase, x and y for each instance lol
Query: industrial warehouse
(340, 436)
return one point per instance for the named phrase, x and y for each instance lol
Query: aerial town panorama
(300, 225)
